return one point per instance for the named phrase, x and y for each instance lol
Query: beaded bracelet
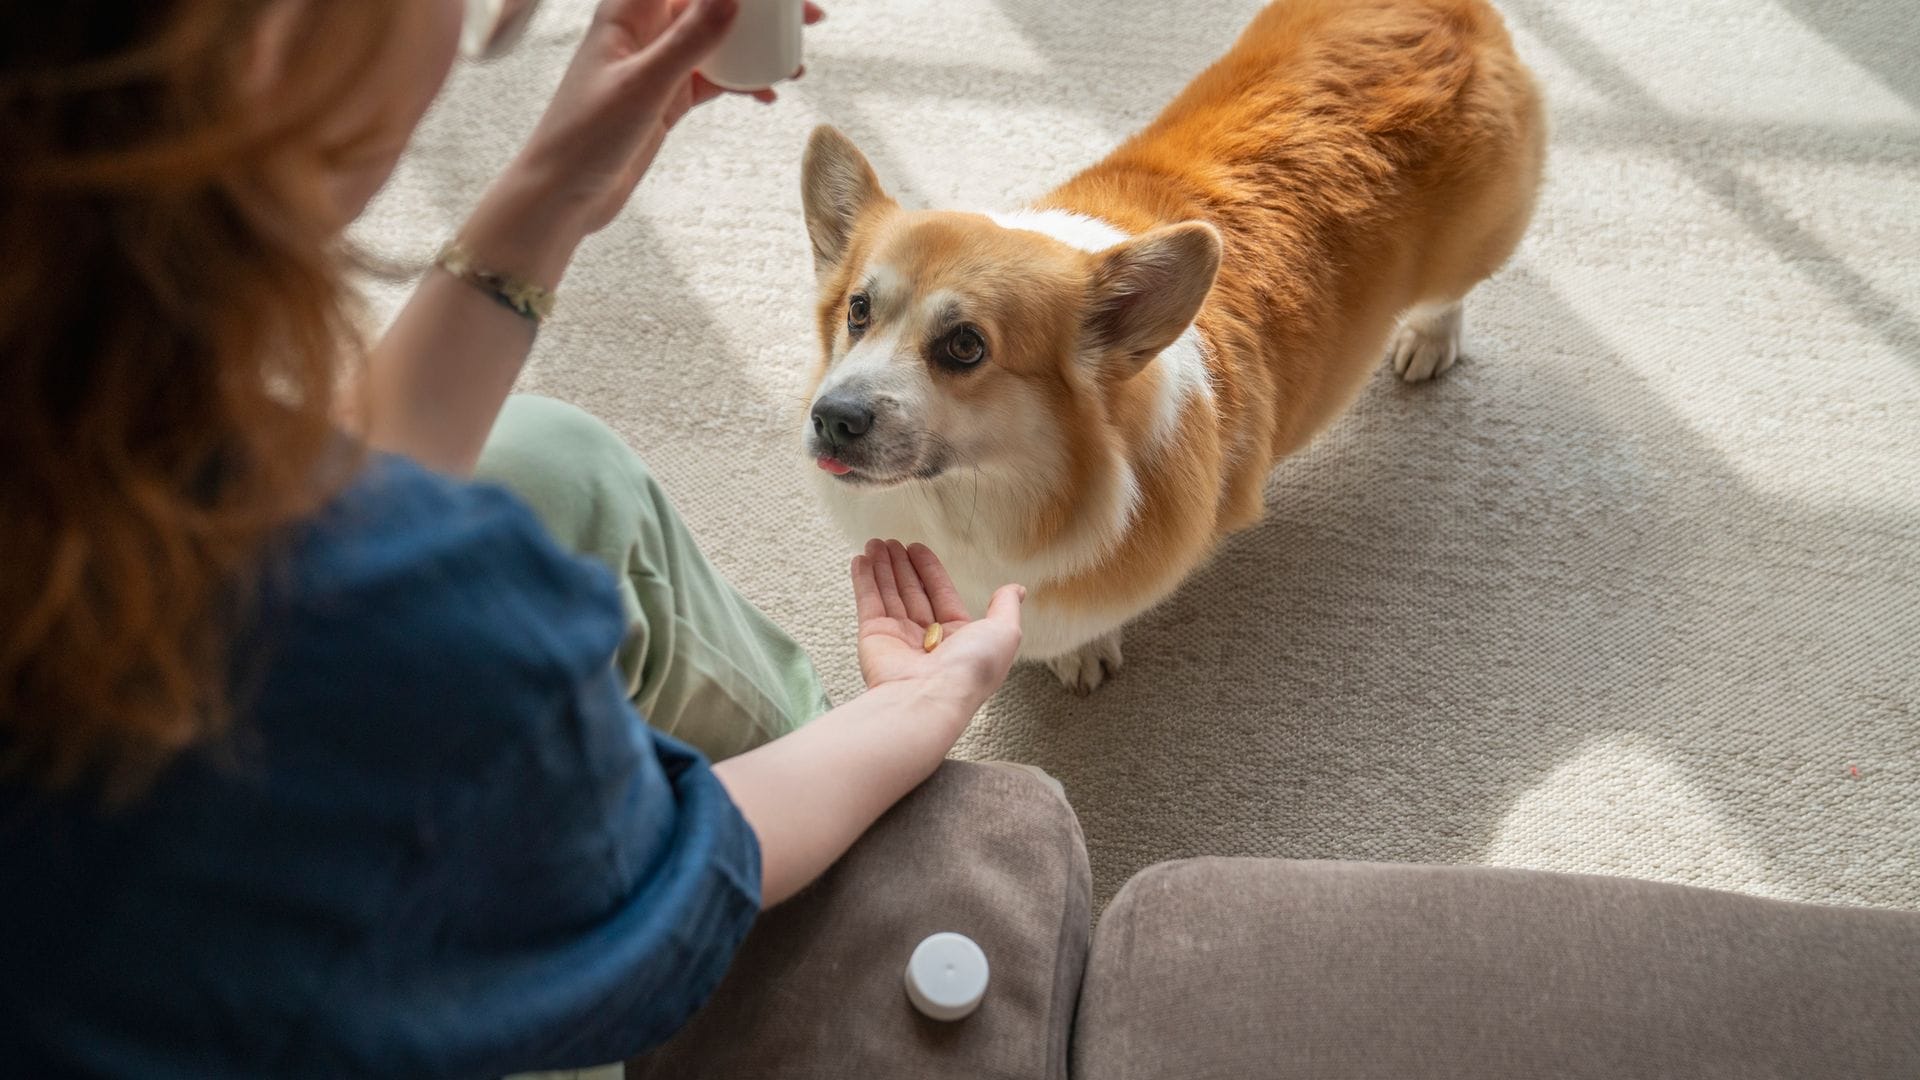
(525, 299)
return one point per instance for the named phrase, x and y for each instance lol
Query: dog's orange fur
(1357, 158)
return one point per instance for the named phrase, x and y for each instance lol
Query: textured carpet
(1634, 590)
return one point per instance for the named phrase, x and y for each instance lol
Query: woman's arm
(809, 795)
(438, 378)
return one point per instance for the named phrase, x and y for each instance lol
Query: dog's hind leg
(1479, 212)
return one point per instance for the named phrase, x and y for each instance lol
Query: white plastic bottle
(762, 47)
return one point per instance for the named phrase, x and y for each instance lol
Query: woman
(318, 757)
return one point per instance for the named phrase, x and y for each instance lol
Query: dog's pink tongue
(834, 466)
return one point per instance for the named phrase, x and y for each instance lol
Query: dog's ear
(836, 187)
(1146, 291)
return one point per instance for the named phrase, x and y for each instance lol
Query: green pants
(700, 662)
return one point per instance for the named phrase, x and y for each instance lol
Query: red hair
(174, 324)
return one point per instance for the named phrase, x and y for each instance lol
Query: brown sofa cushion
(1248, 969)
(817, 991)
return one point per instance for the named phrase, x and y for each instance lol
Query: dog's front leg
(1084, 669)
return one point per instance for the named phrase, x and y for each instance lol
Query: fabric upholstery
(1243, 969)
(817, 991)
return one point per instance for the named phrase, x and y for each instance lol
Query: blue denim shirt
(438, 843)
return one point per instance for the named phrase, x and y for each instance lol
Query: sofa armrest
(816, 991)
(1250, 969)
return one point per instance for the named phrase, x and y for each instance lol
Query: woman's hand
(631, 81)
(439, 376)
(809, 794)
(899, 592)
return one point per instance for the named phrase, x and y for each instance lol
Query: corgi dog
(1087, 394)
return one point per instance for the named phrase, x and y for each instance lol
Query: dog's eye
(964, 346)
(859, 312)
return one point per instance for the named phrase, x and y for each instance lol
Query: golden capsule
(934, 634)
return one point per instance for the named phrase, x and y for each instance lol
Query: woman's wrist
(519, 229)
(939, 708)
(904, 728)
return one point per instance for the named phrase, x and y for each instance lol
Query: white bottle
(762, 47)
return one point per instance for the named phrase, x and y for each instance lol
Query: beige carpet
(1634, 590)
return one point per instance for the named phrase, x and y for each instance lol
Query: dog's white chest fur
(943, 516)
(972, 556)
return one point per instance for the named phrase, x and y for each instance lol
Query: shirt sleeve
(609, 881)
(585, 880)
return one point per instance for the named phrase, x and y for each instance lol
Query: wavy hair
(175, 322)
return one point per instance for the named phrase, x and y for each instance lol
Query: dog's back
(1359, 160)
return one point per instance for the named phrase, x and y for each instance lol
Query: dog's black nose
(841, 420)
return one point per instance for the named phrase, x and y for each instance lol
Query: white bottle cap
(947, 977)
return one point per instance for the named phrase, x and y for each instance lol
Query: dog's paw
(1427, 343)
(1084, 669)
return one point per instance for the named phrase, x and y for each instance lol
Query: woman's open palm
(899, 592)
